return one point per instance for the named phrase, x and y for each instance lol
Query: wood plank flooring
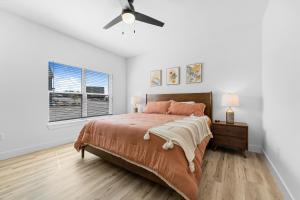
(60, 173)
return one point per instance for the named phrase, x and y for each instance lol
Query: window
(77, 92)
(97, 93)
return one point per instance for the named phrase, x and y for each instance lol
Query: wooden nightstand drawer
(229, 142)
(239, 132)
(233, 136)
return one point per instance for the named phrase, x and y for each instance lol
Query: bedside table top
(223, 123)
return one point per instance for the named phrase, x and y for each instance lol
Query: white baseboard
(282, 185)
(29, 149)
(254, 148)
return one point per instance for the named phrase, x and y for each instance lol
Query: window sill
(69, 123)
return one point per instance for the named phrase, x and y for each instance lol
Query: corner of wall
(279, 180)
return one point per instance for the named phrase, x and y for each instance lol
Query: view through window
(76, 92)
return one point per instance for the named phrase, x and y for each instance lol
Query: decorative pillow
(160, 107)
(178, 108)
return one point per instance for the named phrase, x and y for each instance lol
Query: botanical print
(194, 73)
(155, 78)
(173, 76)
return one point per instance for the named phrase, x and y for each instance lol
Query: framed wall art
(173, 76)
(155, 78)
(194, 73)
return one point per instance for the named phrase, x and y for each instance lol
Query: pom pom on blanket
(147, 136)
(168, 145)
(192, 166)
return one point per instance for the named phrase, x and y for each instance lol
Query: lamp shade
(230, 100)
(135, 100)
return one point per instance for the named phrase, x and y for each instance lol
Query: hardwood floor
(60, 173)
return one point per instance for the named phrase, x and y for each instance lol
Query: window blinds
(77, 92)
(97, 93)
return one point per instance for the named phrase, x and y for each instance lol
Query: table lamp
(230, 100)
(135, 101)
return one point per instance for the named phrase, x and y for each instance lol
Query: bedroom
(249, 48)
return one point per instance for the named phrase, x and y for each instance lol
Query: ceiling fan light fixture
(128, 18)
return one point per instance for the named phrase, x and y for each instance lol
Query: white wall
(281, 90)
(231, 56)
(25, 49)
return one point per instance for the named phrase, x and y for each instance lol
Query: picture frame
(194, 73)
(173, 76)
(156, 78)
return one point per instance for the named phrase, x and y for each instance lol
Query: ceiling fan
(129, 15)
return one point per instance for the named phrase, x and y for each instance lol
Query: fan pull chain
(124, 31)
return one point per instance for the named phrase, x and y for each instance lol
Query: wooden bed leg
(82, 152)
(244, 154)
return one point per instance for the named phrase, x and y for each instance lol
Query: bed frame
(205, 98)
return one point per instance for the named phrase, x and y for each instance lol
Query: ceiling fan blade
(144, 18)
(126, 4)
(113, 22)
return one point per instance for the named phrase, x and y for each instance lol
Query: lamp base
(229, 116)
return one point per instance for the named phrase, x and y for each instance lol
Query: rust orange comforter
(122, 135)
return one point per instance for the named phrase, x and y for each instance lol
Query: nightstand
(234, 136)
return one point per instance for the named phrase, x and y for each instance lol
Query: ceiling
(84, 19)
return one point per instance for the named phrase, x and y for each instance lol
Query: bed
(119, 140)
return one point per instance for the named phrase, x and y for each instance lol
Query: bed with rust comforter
(123, 135)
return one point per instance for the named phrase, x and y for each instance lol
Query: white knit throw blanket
(186, 133)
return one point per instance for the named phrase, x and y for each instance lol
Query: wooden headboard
(205, 98)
